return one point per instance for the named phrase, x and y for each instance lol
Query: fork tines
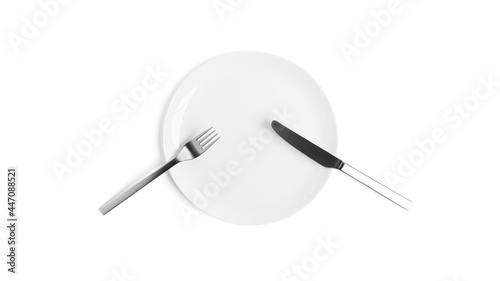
(207, 138)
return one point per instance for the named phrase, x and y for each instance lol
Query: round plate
(251, 175)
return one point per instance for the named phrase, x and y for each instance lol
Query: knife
(328, 160)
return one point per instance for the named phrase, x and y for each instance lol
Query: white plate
(250, 176)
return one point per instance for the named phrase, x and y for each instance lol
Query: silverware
(192, 149)
(328, 160)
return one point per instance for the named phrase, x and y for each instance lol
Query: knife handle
(377, 187)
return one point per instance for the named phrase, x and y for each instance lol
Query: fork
(192, 149)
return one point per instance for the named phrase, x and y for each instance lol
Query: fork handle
(381, 189)
(130, 190)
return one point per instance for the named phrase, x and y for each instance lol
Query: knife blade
(328, 160)
(311, 150)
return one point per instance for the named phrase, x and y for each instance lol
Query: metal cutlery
(328, 160)
(191, 150)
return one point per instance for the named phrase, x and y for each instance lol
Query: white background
(395, 91)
